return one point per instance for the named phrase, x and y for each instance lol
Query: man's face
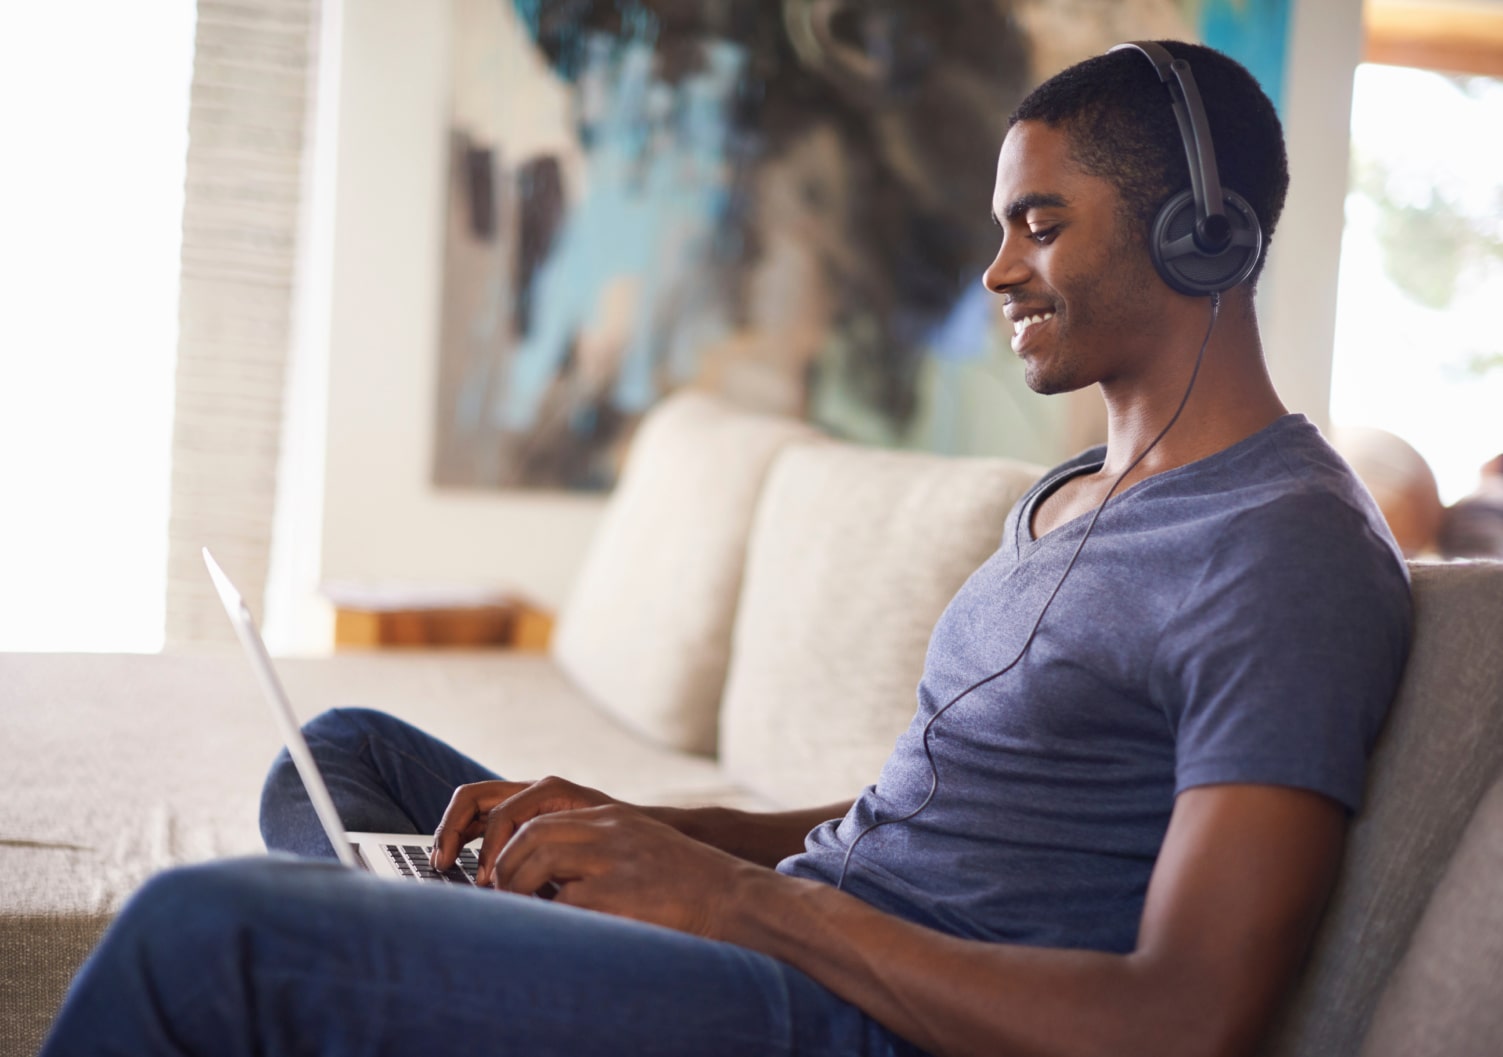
(1079, 288)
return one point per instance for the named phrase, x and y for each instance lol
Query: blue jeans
(292, 955)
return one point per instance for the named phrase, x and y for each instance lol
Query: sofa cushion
(1443, 998)
(646, 631)
(115, 767)
(1441, 747)
(854, 554)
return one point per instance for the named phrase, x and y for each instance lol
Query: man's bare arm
(760, 837)
(1238, 890)
(1234, 899)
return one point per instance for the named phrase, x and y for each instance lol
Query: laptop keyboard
(412, 861)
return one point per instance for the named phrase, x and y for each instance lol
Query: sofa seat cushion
(115, 767)
(647, 628)
(855, 552)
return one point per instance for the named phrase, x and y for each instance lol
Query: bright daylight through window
(94, 113)
(1419, 352)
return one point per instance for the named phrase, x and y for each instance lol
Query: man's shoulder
(1283, 486)
(1274, 522)
(1307, 550)
(1307, 500)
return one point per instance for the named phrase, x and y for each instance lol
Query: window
(94, 108)
(1418, 350)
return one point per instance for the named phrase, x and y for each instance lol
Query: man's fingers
(448, 837)
(547, 869)
(464, 819)
(551, 848)
(528, 838)
(543, 797)
(501, 822)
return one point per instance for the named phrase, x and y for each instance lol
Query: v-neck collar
(1093, 459)
(1023, 530)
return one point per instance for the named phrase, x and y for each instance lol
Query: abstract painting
(781, 202)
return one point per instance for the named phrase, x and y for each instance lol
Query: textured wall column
(251, 98)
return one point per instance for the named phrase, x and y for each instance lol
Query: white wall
(383, 520)
(1297, 295)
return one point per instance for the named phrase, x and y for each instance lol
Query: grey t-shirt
(1243, 618)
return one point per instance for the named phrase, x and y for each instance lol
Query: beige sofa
(747, 629)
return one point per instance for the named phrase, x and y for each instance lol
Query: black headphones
(1207, 239)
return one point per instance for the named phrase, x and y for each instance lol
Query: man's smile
(1023, 324)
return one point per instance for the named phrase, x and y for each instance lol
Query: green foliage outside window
(1434, 239)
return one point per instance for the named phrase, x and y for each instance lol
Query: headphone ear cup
(1189, 269)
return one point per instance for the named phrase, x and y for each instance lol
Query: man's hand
(616, 859)
(600, 853)
(495, 810)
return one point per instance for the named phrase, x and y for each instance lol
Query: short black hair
(1121, 127)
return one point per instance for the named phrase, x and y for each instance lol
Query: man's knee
(347, 729)
(335, 732)
(340, 740)
(186, 952)
(182, 914)
(284, 798)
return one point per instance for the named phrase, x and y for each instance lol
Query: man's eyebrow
(1033, 200)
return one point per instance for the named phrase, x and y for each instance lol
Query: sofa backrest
(1441, 748)
(854, 555)
(647, 628)
(1442, 1000)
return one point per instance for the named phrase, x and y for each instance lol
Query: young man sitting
(1112, 825)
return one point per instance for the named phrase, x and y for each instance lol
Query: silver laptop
(395, 855)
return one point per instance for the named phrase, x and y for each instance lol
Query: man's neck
(1232, 397)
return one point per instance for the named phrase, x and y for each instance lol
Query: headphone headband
(1218, 244)
(1212, 231)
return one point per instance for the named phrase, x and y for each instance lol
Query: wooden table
(397, 616)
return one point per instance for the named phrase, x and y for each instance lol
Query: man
(1111, 827)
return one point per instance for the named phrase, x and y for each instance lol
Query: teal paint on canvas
(1255, 33)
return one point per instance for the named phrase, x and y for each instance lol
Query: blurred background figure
(1400, 480)
(1473, 527)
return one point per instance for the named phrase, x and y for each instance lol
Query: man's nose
(1008, 269)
